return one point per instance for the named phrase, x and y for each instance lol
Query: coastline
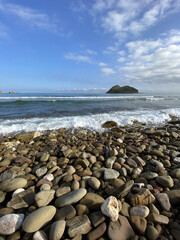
(62, 171)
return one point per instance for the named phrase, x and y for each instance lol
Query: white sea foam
(49, 98)
(92, 122)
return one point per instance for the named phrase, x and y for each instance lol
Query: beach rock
(65, 213)
(10, 223)
(141, 211)
(97, 232)
(157, 153)
(17, 191)
(157, 218)
(57, 230)
(13, 184)
(151, 233)
(110, 174)
(163, 200)
(78, 225)
(45, 187)
(40, 235)
(49, 177)
(175, 173)
(139, 224)
(2, 196)
(144, 197)
(43, 198)
(174, 196)
(41, 171)
(110, 161)
(35, 220)
(92, 201)
(123, 190)
(82, 209)
(165, 181)
(96, 218)
(120, 230)
(21, 160)
(62, 190)
(149, 175)
(175, 230)
(109, 124)
(110, 208)
(94, 183)
(45, 156)
(71, 197)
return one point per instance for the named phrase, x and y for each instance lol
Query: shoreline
(120, 169)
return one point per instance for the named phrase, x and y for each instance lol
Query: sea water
(40, 111)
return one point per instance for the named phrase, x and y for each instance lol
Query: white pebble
(17, 191)
(48, 177)
(110, 208)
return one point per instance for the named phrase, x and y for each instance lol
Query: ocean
(40, 111)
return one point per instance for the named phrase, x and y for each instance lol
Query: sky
(89, 45)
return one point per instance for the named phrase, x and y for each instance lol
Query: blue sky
(89, 45)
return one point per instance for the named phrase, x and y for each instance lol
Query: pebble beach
(119, 184)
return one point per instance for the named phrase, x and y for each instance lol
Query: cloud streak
(32, 17)
(78, 58)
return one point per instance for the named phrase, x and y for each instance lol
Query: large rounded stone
(57, 230)
(71, 197)
(120, 230)
(13, 184)
(165, 181)
(10, 223)
(97, 232)
(37, 219)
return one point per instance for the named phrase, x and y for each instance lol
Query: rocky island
(11, 92)
(124, 89)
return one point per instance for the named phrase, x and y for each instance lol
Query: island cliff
(124, 89)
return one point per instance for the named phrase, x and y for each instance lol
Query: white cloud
(34, 18)
(123, 17)
(155, 61)
(121, 59)
(78, 58)
(102, 64)
(108, 71)
(91, 52)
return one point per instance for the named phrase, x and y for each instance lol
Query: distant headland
(124, 89)
(9, 92)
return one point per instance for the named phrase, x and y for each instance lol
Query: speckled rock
(10, 223)
(141, 211)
